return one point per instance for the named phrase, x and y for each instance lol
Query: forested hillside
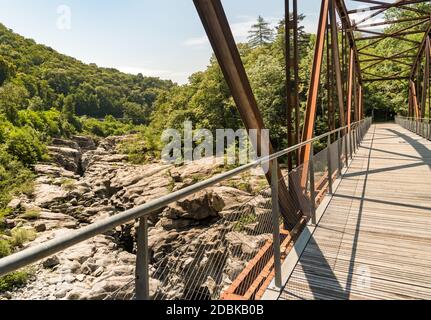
(44, 94)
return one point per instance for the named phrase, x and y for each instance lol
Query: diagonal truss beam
(310, 114)
(221, 38)
(385, 5)
(394, 35)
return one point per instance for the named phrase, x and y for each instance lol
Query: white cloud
(180, 77)
(199, 41)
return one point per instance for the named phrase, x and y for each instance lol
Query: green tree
(6, 70)
(261, 33)
(135, 113)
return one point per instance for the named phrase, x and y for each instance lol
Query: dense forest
(44, 94)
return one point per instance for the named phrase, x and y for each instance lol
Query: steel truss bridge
(352, 221)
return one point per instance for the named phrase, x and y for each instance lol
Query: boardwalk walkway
(374, 239)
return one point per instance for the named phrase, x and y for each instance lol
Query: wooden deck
(374, 239)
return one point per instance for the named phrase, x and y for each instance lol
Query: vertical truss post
(426, 76)
(329, 77)
(217, 27)
(296, 78)
(414, 100)
(350, 89)
(310, 115)
(289, 90)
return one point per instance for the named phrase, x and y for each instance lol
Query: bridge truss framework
(347, 72)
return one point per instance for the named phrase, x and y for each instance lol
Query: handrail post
(312, 187)
(329, 166)
(351, 144)
(142, 282)
(340, 153)
(357, 139)
(346, 148)
(354, 141)
(276, 223)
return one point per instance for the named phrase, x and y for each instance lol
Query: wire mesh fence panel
(299, 186)
(333, 155)
(207, 265)
(321, 177)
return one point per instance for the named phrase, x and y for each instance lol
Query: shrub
(68, 184)
(5, 249)
(15, 178)
(20, 236)
(12, 280)
(31, 214)
(24, 144)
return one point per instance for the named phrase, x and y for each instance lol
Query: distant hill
(47, 78)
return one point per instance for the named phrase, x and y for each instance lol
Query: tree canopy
(261, 33)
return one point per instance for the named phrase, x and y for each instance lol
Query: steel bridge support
(221, 38)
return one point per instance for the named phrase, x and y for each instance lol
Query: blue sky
(155, 37)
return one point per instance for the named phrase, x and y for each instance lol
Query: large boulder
(66, 157)
(200, 206)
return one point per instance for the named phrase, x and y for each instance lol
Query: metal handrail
(413, 118)
(33, 254)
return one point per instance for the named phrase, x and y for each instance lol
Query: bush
(108, 127)
(21, 236)
(144, 147)
(15, 178)
(13, 280)
(31, 214)
(5, 249)
(24, 144)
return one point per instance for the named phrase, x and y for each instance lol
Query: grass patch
(20, 236)
(13, 280)
(68, 184)
(244, 221)
(5, 248)
(31, 214)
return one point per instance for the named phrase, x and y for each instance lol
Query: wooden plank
(376, 229)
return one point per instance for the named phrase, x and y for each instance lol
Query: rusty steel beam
(350, 89)
(329, 76)
(292, 78)
(289, 89)
(414, 100)
(385, 79)
(390, 22)
(379, 35)
(382, 61)
(344, 16)
(394, 35)
(385, 6)
(217, 27)
(420, 51)
(336, 63)
(310, 114)
(375, 14)
(386, 58)
(296, 79)
(426, 76)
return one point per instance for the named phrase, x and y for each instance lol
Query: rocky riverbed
(88, 181)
